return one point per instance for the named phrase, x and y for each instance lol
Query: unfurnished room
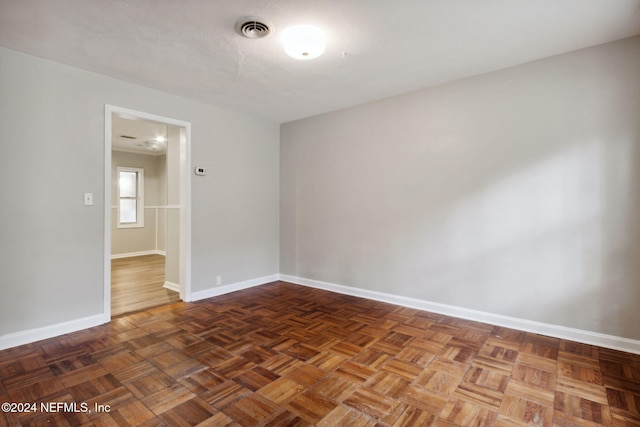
(320, 213)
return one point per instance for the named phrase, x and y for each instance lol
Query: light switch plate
(88, 199)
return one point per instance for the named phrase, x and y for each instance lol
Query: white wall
(514, 193)
(52, 151)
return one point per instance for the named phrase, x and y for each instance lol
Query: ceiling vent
(253, 28)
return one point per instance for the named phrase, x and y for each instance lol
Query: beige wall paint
(171, 214)
(52, 151)
(147, 238)
(162, 198)
(515, 193)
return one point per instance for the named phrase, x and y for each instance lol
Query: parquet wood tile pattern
(287, 355)
(138, 283)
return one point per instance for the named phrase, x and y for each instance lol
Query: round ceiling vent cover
(253, 28)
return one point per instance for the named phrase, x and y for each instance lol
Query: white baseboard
(579, 335)
(172, 286)
(141, 253)
(32, 335)
(37, 334)
(221, 290)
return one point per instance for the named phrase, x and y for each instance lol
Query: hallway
(137, 283)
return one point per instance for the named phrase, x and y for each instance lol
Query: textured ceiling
(190, 47)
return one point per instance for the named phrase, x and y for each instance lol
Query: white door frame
(185, 199)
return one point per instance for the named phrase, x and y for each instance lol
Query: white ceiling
(190, 47)
(140, 136)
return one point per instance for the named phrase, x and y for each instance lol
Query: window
(130, 197)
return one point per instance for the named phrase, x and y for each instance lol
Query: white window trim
(140, 205)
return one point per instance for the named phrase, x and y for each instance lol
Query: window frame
(139, 197)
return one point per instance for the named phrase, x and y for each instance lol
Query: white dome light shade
(303, 42)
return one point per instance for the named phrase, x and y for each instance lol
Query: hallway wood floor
(137, 283)
(287, 355)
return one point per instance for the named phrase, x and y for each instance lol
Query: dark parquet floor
(287, 355)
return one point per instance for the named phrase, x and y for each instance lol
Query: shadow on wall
(556, 241)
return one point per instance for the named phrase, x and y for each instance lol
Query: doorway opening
(147, 211)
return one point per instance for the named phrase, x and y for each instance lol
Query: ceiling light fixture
(303, 42)
(154, 145)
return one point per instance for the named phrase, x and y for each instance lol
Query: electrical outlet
(218, 280)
